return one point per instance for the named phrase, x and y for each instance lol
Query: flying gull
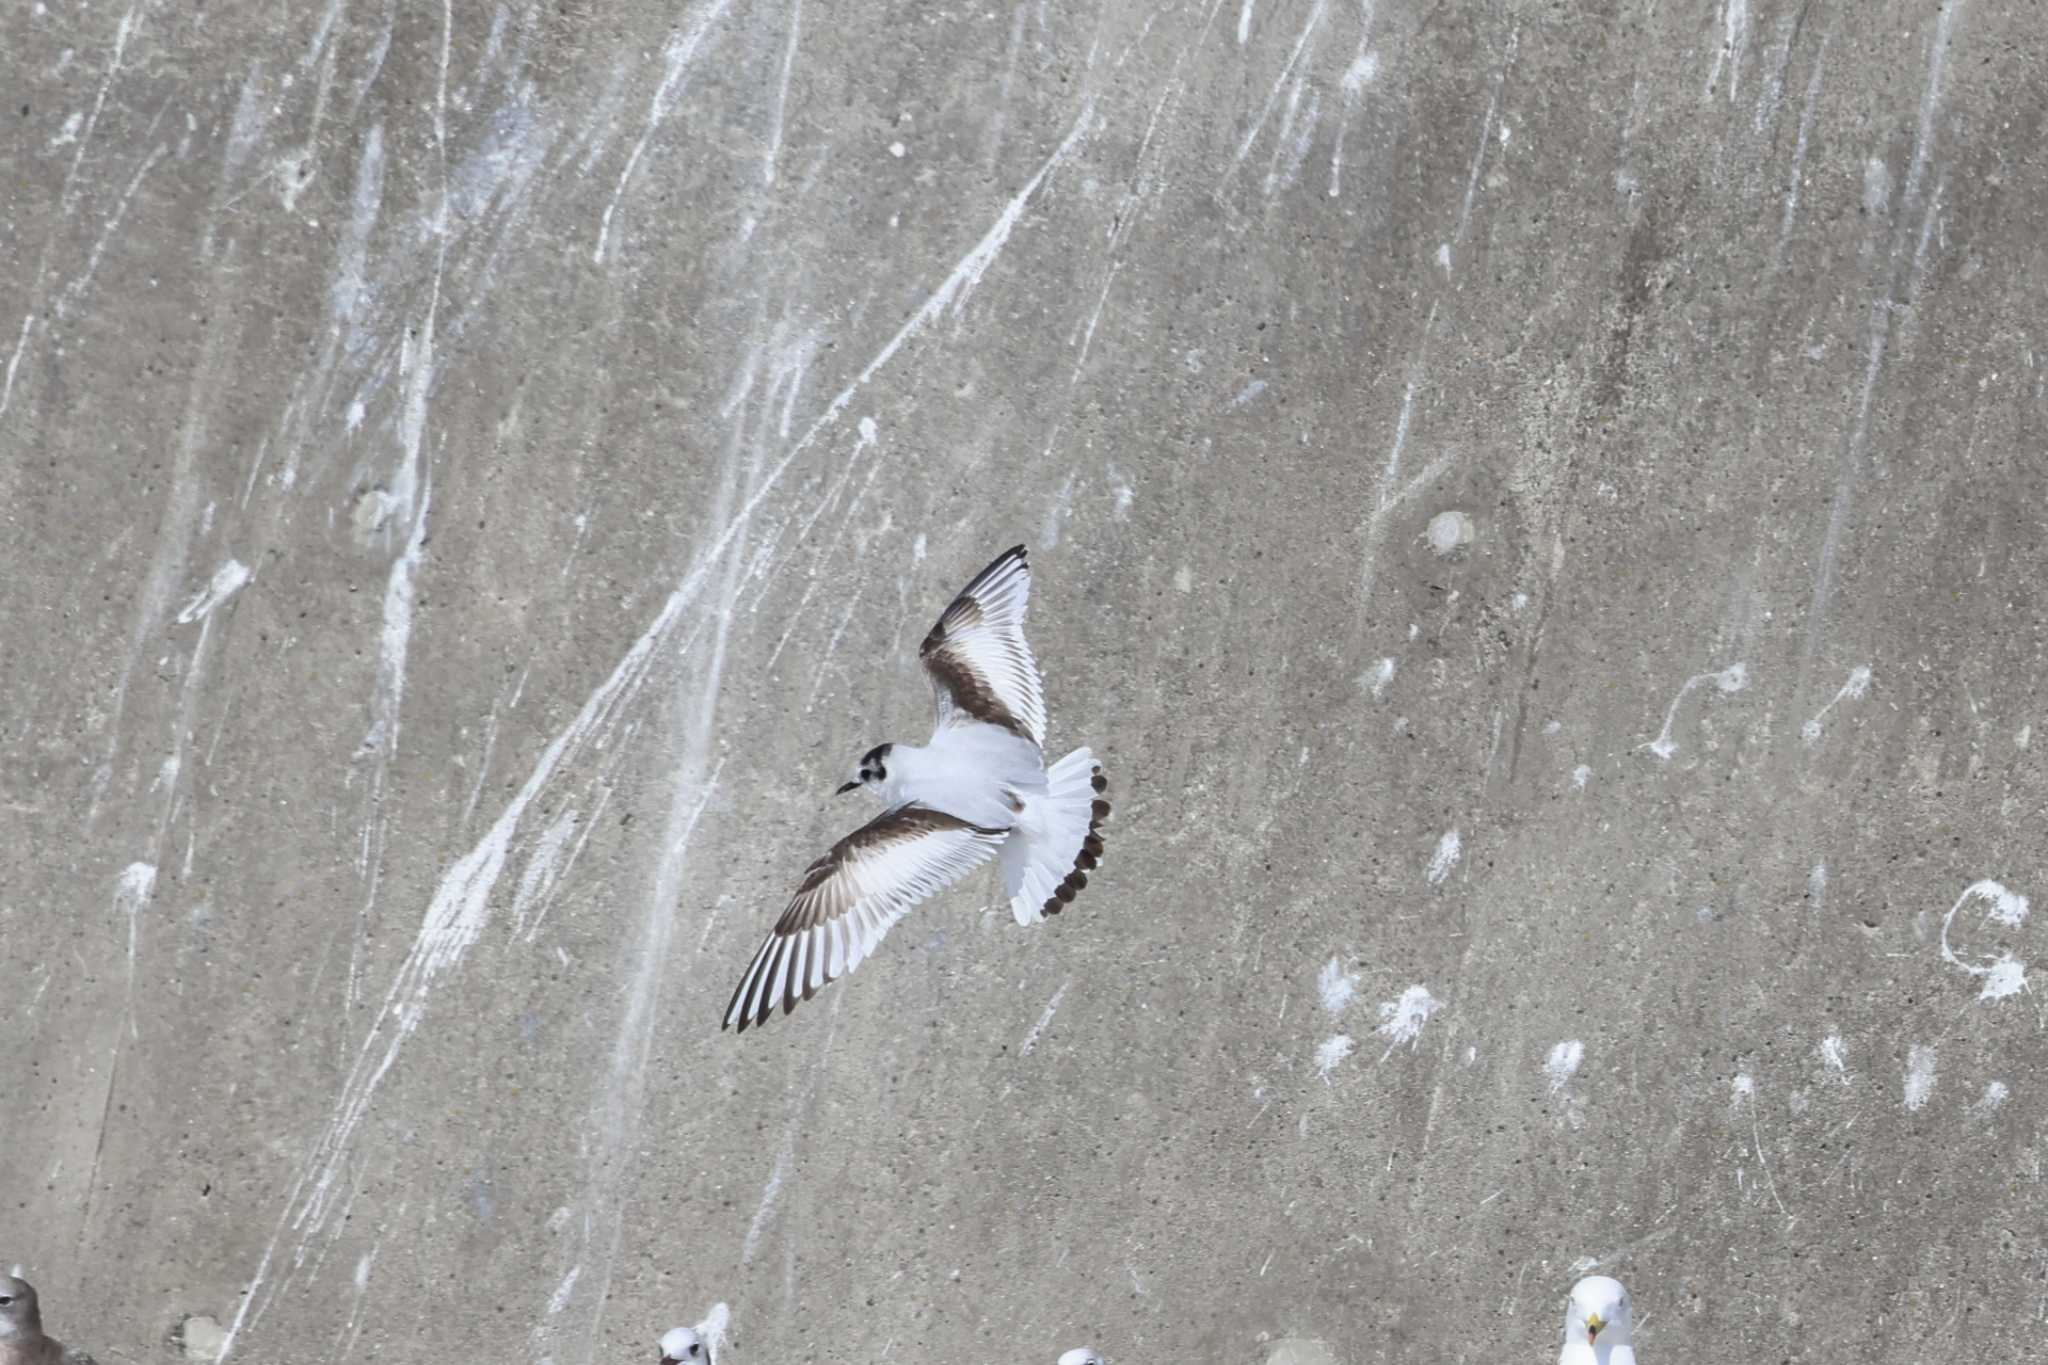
(979, 788)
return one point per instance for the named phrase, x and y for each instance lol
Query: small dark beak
(846, 787)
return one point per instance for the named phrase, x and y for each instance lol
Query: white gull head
(1598, 1327)
(1081, 1355)
(696, 1345)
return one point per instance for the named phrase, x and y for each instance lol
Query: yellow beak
(1593, 1326)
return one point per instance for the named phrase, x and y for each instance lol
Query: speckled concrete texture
(1537, 506)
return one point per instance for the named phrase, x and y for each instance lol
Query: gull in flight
(1597, 1327)
(978, 789)
(22, 1341)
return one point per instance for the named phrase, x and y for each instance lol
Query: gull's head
(696, 1345)
(1081, 1355)
(1598, 1311)
(18, 1314)
(684, 1346)
(872, 771)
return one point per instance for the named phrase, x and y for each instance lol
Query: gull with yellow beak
(1597, 1327)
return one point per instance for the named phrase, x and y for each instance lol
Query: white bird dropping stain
(560, 1299)
(1877, 186)
(1051, 1008)
(1733, 678)
(132, 890)
(1336, 987)
(1735, 37)
(1743, 1087)
(1563, 1063)
(1817, 885)
(1382, 674)
(1834, 1054)
(1581, 775)
(1852, 690)
(229, 579)
(1919, 1076)
(1331, 1051)
(1449, 532)
(1401, 1020)
(1995, 1095)
(1449, 850)
(2004, 975)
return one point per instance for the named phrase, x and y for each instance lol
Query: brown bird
(21, 1329)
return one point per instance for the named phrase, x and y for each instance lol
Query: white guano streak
(616, 1111)
(1449, 850)
(1877, 342)
(230, 578)
(1315, 17)
(1052, 1007)
(681, 51)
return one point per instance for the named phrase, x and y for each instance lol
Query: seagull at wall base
(1599, 1328)
(22, 1340)
(697, 1345)
(978, 789)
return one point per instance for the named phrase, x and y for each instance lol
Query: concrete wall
(1536, 504)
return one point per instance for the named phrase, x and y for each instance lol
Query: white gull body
(979, 788)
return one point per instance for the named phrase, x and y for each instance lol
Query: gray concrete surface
(1538, 505)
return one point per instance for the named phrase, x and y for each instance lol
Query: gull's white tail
(1057, 840)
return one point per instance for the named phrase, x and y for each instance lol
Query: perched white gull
(979, 787)
(21, 1329)
(696, 1345)
(1081, 1355)
(1597, 1327)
